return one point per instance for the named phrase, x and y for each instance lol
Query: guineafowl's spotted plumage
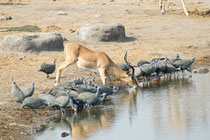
(28, 91)
(16, 92)
(88, 98)
(61, 102)
(169, 69)
(142, 62)
(33, 103)
(183, 64)
(48, 68)
(173, 60)
(48, 99)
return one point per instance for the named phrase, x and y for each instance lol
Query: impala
(162, 7)
(94, 61)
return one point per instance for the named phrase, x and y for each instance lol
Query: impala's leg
(163, 7)
(63, 65)
(102, 72)
(185, 11)
(160, 4)
(169, 7)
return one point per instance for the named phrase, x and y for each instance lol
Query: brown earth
(150, 35)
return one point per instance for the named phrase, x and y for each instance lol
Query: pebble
(98, 15)
(51, 26)
(64, 134)
(5, 18)
(62, 13)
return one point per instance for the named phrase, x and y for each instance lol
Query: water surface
(177, 109)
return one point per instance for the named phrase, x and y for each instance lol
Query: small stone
(195, 71)
(51, 128)
(5, 18)
(22, 57)
(64, 39)
(72, 30)
(65, 134)
(51, 26)
(97, 15)
(203, 70)
(84, 3)
(62, 13)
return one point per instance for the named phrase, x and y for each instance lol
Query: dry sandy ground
(151, 35)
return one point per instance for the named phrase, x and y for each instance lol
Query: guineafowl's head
(193, 59)
(33, 83)
(114, 89)
(156, 63)
(54, 61)
(177, 56)
(93, 79)
(90, 83)
(13, 82)
(97, 91)
(105, 80)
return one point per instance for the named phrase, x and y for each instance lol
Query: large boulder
(32, 43)
(101, 32)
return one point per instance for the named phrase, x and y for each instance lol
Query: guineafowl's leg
(34, 111)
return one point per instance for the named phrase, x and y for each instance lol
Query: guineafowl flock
(147, 70)
(75, 95)
(80, 94)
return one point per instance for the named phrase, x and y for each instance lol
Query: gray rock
(101, 32)
(203, 70)
(32, 43)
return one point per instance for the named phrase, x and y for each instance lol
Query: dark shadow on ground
(25, 28)
(8, 4)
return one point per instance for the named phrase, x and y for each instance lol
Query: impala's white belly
(85, 65)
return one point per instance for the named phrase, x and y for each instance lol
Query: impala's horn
(135, 82)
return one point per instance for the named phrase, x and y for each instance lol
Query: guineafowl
(172, 60)
(48, 68)
(161, 67)
(16, 92)
(184, 64)
(62, 102)
(149, 69)
(88, 98)
(28, 91)
(48, 99)
(142, 62)
(33, 103)
(170, 69)
(100, 100)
